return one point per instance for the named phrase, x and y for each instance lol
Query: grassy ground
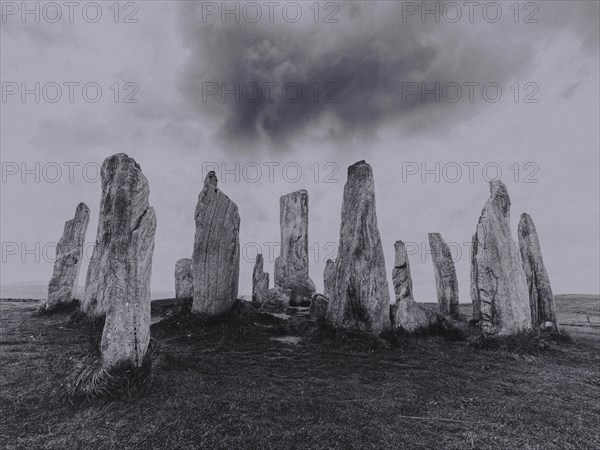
(230, 385)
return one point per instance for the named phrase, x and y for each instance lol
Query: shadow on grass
(60, 308)
(524, 342)
(442, 328)
(326, 335)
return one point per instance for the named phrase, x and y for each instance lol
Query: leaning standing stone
(407, 314)
(445, 276)
(69, 252)
(359, 297)
(216, 256)
(541, 299)
(118, 282)
(500, 287)
(184, 278)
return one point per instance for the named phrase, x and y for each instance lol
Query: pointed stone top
(526, 225)
(499, 195)
(119, 158)
(359, 166)
(436, 236)
(259, 259)
(526, 218)
(211, 179)
(183, 261)
(82, 207)
(401, 256)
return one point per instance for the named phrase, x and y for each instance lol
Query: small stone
(276, 299)
(184, 278)
(260, 279)
(318, 306)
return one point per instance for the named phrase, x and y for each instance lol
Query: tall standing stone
(328, 277)
(407, 314)
(216, 256)
(499, 286)
(184, 278)
(360, 296)
(69, 252)
(118, 281)
(291, 266)
(541, 299)
(446, 282)
(260, 279)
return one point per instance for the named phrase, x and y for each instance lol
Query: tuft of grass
(92, 381)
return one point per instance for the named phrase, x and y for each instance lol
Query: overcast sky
(342, 82)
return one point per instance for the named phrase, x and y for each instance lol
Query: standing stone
(291, 266)
(118, 281)
(69, 252)
(216, 256)
(407, 314)
(328, 277)
(359, 297)
(500, 287)
(184, 278)
(541, 299)
(446, 282)
(260, 279)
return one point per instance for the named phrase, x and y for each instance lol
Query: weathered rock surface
(541, 299)
(446, 282)
(291, 266)
(359, 297)
(184, 278)
(260, 279)
(473, 286)
(328, 277)
(407, 314)
(69, 252)
(318, 306)
(499, 285)
(216, 256)
(276, 299)
(118, 281)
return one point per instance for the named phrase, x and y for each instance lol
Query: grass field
(231, 385)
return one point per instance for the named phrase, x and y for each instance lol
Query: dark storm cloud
(363, 63)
